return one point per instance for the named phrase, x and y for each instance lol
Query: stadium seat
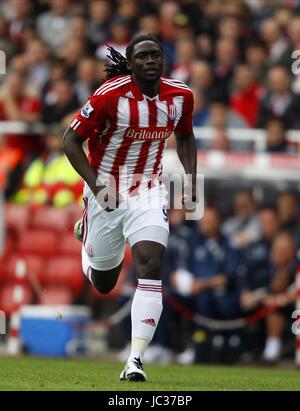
(8, 293)
(10, 242)
(64, 271)
(50, 218)
(40, 242)
(75, 214)
(56, 295)
(33, 268)
(17, 216)
(69, 245)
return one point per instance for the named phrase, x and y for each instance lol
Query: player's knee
(150, 268)
(101, 286)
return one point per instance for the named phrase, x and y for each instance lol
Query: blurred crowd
(237, 56)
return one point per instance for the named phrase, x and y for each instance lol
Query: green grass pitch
(34, 374)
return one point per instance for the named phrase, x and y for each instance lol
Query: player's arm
(77, 157)
(187, 153)
(186, 144)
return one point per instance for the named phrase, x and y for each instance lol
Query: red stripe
(150, 289)
(149, 285)
(14, 332)
(144, 152)
(162, 143)
(122, 151)
(298, 343)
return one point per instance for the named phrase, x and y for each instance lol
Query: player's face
(147, 61)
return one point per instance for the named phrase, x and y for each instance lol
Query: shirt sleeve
(185, 124)
(89, 121)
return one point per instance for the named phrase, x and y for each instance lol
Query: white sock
(272, 349)
(145, 314)
(86, 267)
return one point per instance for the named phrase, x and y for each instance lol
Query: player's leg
(103, 279)
(147, 302)
(103, 245)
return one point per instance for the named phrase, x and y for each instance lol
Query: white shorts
(142, 217)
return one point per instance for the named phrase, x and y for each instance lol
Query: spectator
(20, 19)
(53, 26)
(100, 14)
(220, 115)
(64, 102)
(149, 24)
(50, 178)
(6, 44)
(79, 30)
(275, 42)
(200, 111)
(213, 266)
(202, 78)
(17, 105)
(226, 58)
(58, 70)
(36, 59)
(288, 211)
(246, 95)
(279, 100)
(257, 273)
(120, 35)
(256, 59)
(243, 227)
(276, 137)
(284, 266)
(185, 55)
(72, 53)
(129, 10)
(220, 140)
(88, 79)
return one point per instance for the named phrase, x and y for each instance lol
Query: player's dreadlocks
(119, 62)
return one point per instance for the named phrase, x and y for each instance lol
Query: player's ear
(129, 65)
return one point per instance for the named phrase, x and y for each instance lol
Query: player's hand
(190, 197)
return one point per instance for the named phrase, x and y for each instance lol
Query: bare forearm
(187, 153)
(77, 157)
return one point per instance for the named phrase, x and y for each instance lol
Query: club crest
(172, 112)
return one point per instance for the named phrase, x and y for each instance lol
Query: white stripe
(162, 113)
(123, 118)
(178, 101)
(109, 83)
(176, 85)
(77, 125)
(182, 85)
(179, 82)
(18, 294)
(20, 270)
(143, 113)
(73, 122)
(112, 88)
(108, 86)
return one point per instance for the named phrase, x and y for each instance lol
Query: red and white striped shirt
(128, 130)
